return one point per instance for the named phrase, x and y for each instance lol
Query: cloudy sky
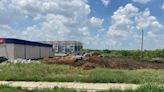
(99, 24)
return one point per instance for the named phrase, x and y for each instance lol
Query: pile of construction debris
(92, 60)
(19, 60)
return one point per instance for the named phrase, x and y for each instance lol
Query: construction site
(21, 49)
(98, 61)
(62, 64)
(81, 46)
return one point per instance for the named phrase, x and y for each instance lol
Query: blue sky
(99, 24)
(105, 12)
(99, 10)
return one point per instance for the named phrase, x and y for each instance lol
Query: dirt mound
(106, 62)
(125, 63)
(68, 59)
(87, 66)
(60, 60)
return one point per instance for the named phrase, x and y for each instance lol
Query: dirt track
(90, 87)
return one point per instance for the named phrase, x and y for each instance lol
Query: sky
(98, 24)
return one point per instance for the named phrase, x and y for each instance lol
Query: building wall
(19, 51)
(7, 50)
(14, 51)
(26, 51)
(32, 52)
(44, 52)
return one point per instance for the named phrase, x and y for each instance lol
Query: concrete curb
(91, 87)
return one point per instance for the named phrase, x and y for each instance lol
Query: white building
(66, 47)
(16, 48)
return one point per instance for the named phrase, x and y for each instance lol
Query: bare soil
(91, 62)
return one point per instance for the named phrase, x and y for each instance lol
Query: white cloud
(151, 35)
(121, 21)
(68, 20)
(142, 1)
(21, 9)
(96, 22)
(9, 12)
(127, 23)
(162, 7)
(105, 2)
(48, 20)
(84, 31)
(146, 21)
(6, 31)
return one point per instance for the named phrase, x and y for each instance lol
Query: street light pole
(142, 42)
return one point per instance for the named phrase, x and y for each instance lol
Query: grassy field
(148, 54)
(145, 88)
(11, 89)
(64, 73)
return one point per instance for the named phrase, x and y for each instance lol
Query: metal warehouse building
(16, 48)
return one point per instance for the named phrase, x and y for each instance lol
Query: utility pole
(142, 42)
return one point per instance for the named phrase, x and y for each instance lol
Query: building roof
(23, 42)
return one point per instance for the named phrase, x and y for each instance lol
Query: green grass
(145, 88)
(159, 53)
(18, 89)
(64, 73)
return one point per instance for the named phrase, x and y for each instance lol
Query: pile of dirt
(125, 63)
(91, 62)
(60, 60)
(87, 66)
